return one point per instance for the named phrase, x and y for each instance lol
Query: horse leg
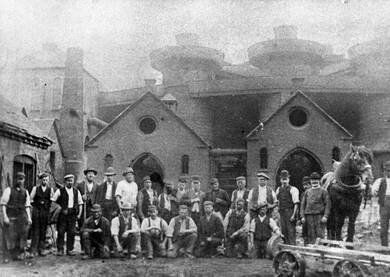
(339, 218)
(351, 225)
(330, 226)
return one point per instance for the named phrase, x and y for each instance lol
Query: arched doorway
(299, 163)
(148, 165)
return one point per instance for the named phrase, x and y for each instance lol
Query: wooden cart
(331, 258)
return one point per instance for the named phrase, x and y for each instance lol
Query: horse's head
(361, 158)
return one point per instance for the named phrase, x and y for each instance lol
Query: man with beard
(71, 203)
(146, 197)
(105, 195)
(210, 231)
(194, 199)
(87, 189)
(154, 230)
(219, 197)
(96, 235)
(168, 203)
(16, 215)
(40, 199)
(236, 225)
(125, 231)
(260, 231)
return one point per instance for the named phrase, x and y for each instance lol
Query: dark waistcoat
(63, 199)
(236, 221)
(42, 198)
(263, 231)
(17, 202)
(382, 192)
(285, 198)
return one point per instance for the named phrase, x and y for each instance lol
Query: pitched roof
(16, 125)
(311, 102)
(131, 107)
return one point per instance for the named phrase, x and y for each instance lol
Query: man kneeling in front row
(96, 235)
(125, 231)
(182, 234)
(154, 229)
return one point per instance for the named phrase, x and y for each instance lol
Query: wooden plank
(342, 244)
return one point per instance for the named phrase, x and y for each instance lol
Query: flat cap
(240, 200)
(284, 174)
(67, 176)
(315, 176)
(20, 175)
(213, 181)
(127, 206)
(262, 174)
(240, 178)
(96, 208)
(182, 179)
(128, 170)
(183, 206)
(386, 165)
(306, 179)
(195, 178)
(43, 175)
(146, 178)
(208, 203)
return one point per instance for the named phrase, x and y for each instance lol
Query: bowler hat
(315, 176)
(284, 174)
(127, 170)
(213, 181)
(90, 169)
(386, 165)
(182, 179)
(110, 171)
(67, 176)
(195, 178)
(20, 175)
(43, 175)
(240, 178)
(208, 203)
(127, 206)
(96, 208)
(146, 178)
(262, 174)
(306, 179)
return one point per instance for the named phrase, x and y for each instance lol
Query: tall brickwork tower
(72, 120)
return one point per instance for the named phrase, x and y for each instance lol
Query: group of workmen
(121, 220)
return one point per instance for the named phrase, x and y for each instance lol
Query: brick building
(293, 105)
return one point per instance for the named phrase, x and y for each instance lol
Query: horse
(346, 191)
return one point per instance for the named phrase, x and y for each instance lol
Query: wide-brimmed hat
(127, 171)
(110, 171)
(315, 176)
(20, 175)
(284, 174)
(262, 174)
(67, 176)
(127, 206)
(96, 208)
(90, 169)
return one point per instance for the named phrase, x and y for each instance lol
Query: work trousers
(208, 248)
(238, 244)
(66, 224)
(129, 243)
(287, 227)
(261, 248)
(40, 219)
(384, 212)
(154, 245)
(15, 235)
(315, 229)
(94, 245)
(186, 242)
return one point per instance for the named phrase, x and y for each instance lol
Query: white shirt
(115, 226)
(167, 202)
(69, 191)
(109, 191)
(127, 191)
(376, 185)
(192, 226)
(6, 195)
(89, 186)
(157, 223)
(262, 195)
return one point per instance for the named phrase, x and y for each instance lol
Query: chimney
(297, 82)
(150, 84)
(72, 118)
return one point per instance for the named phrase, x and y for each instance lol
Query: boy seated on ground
(125, 231)
(260, 231)
(154, 230)
(182, 234)
(96, 235)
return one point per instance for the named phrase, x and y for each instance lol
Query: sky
(118, 35)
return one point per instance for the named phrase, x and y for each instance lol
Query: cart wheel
(273, 246)
(348, 268)
(289, 264)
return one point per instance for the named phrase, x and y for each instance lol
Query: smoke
(117, 36)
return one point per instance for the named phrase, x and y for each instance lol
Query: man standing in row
(168, 203)
(315, 209)
(15, 202)
(146, 197)
(219, 197)
(236, 225)
(105, 195)
(194, 199)
(41, 201)
(262, 193)
(127, 189)
(288, 197)
(240, 193)
(71, 202)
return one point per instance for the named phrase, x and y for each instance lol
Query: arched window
(336, 153)
(108, 161)
(185, 159)
(57, 93)
(263, 158)
(27, 165)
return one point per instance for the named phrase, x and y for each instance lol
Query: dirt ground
(73, 266)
